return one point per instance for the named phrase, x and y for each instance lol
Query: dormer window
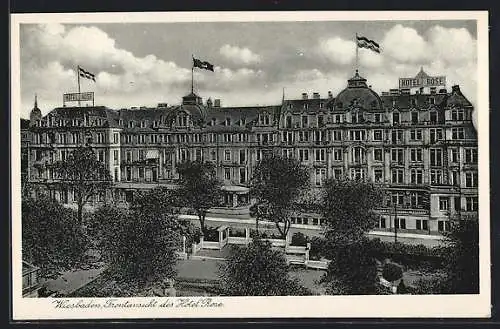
(433, 116)
(266, 119)
(243, 122)
(288, 123)
(290, 106)
(131, 124)
(377, 117)
(321, 105)
(356, 117)
(457, 115)
(228, 121)
(213, 122)
(143, 124)
(413, 102)
(156, 123)
(431, 100)
(183, 120)
(120, 122)
(306, 106)
(395, 118)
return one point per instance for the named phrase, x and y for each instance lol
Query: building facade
(419, 145)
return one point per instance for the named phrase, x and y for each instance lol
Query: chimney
(217, 102)
(330, 95)
(316, 95)
(304, 95)
(455, 89)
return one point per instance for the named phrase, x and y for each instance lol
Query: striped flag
(368, 44)
(202, 65)
(86, 74)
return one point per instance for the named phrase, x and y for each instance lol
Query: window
(288, 123)
(184, 155)
(433, 117)
(129, 139)
(115, 157)
(116, 138)
(305, 121)
(303, 136)
(227, 138)
(320, 120)
(454, 178)
(213, 155)
(471, 203)
(435, 135)
(337, 118)
(395, 118)
(382, 222)
(396, 136)
(243, 176)
(357, 174)
(227, 155)
(413, 102)
(337, 154)
(198, 155)
(99, 138)
(100, 155)
(397, 198)
(320, 155)
(397, 155)
(436, 177)
(337, 135)
(356, 117)
(303, 155)
(422, 224)
(436, 156)
(358, 155)
(337, 173)
(75, 138)
(243, 154)
(377, 175)
(377, 117)
(128, 171)
(457, 133)
(443, 226)
(431, 100)
(443, 202)
(357, 135)
(378, 155)
(128, 156)
(415, 155)
(400, 223)
(227, 173)
(320, 176)
(397, 176)
(455, 155)
(378, 135)
(416, 134)
(414, 117)
(470, 155)
(457, 115)
(416, 176)
(287, 153)
(415, 199)
(471, 179)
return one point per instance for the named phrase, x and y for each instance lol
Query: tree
(276, 184)
(258, 270)
(51, 238)
(352, 270)
(140, 244)
(462, 263)
(199, 188)
(392, 272)
(84, 174)
(348, 208)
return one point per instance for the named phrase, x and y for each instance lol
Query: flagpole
(78, 76)
(192, 75)
(357, 50)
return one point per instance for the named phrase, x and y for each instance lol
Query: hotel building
(418, 143)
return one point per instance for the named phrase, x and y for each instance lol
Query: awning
(236, 189)
(152, 154)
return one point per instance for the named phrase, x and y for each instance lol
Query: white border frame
(397, 306)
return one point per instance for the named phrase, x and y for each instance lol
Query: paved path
(71, 281)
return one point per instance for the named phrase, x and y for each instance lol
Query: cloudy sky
(142, 64)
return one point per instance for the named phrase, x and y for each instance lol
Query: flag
(203, 65)
(86, 74)
(368, 44)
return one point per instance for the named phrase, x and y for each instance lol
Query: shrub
(392, 272)
(317, 247)
(211, 234)
(299, 239)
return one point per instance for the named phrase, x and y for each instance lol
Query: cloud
(405, 44)
(337, 50)
(452, 45)
(239, 55)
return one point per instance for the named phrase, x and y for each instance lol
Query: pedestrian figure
(170, 291)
